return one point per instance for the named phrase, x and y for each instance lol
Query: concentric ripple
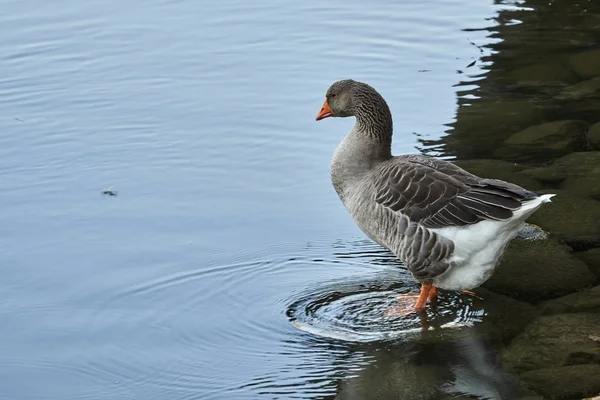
(363, 312)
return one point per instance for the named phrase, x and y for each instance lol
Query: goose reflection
(436, 367)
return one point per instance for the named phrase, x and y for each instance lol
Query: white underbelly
(469, 274)
(479, 247)
(477, 251)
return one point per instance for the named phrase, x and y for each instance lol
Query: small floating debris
(109, 192)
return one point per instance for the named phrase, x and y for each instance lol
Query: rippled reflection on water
(358, 311)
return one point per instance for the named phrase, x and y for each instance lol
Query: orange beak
(325, 111)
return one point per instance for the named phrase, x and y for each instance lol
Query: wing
(443, 166)
(438, 194)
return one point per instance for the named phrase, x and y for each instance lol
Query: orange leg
(425, 289)
(470, 293)
(433, 294)
(406, 302)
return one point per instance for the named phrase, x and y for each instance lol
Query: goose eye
(333, 95)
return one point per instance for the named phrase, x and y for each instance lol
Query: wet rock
(585, 64)
(582, 90)
(531, 398)
(534, 270)
(584, 301)
(500, 169)
(584, 109)
(571, 382)
(593, 136)
(573, 219)
(546, 174)
(497, 115)
(577, 173)
(592, 259)
(505, 318)
(583, 173)
(552, 139)
(555, 341)
(543, 75)
(483, 125)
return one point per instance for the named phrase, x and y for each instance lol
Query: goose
(448, 227)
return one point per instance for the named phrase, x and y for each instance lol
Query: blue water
(201, 116)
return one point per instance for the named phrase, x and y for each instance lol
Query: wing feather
(437, 193)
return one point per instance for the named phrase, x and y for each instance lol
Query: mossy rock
(482, 126)
(583, 301)
(547, 174)
(573, 219)
(592, 259)
(585, 64)
(570, 382)
(534, 270)
(552, 139)
(584, 109)
(577, 173)
(500, 169)
(582, 170)
(549, 74)
(582, 90)
(554, 341)
(505, 317)
(593, 136)
(497, 116)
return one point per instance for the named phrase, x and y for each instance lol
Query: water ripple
(358, 311)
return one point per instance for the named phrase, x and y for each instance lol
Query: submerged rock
(533, 270)
(570, 382)
(577, 173)
(592, 259)
(552, 139)
(481, 126)
(505, 317)
(531, 398)
(574, 219)
(584, 301)
(582, 172)
(555, 341)
(542, 75)
(593, 136)
(585, 64)
(582, 90)
(500, 169)
(547, 174)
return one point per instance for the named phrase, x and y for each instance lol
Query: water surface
(201, 116)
